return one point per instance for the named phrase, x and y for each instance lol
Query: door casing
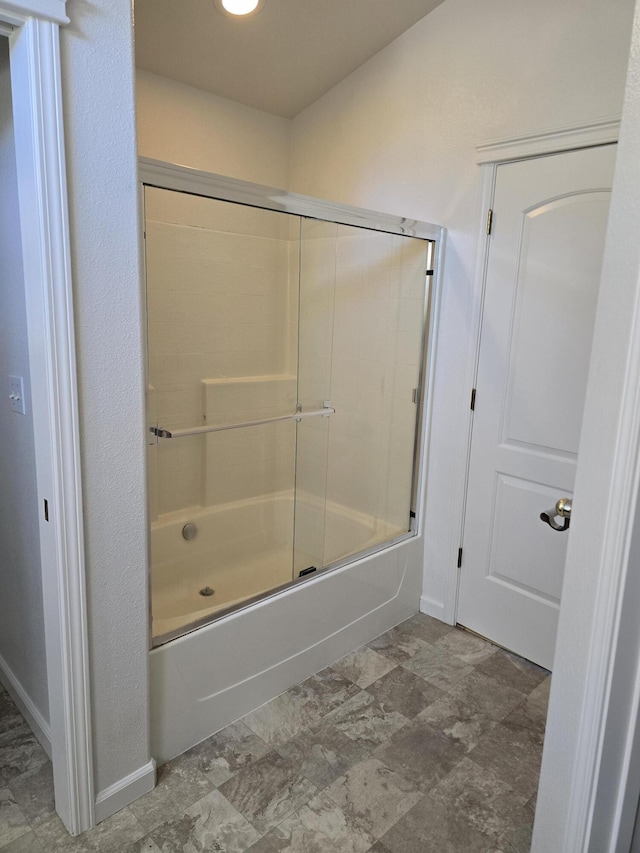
(32, 27)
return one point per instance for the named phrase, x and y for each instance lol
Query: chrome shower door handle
(562, 510)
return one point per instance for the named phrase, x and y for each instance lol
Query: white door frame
(32, 27)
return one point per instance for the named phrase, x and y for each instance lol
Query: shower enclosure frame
(168, 176)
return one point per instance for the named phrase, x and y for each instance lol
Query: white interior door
(545, 256)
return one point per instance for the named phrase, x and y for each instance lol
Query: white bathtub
(246, 549)
(210, 677)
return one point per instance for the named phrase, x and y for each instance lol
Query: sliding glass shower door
(284, 362)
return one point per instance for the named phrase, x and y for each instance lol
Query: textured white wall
(180, 124)
(98, 82)
(399, 135)
(22, 645)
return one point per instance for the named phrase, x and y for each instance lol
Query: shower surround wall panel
(283, 443)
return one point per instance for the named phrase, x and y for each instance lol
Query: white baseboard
(125, 791)
(431, 607)
(39, 726)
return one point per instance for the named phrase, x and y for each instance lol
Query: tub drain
(207, 591)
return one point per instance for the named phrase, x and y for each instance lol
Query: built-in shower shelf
(243, 398)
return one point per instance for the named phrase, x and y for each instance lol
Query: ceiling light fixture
(239, 7)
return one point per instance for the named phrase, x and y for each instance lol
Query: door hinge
(489, 220)
(473, 400)
(459, 558)
(415, 395)
(430, 272)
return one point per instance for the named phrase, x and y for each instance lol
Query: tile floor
(427, 740)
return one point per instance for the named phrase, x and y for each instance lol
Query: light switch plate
(16, 394)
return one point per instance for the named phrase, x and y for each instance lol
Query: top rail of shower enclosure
(167, 176)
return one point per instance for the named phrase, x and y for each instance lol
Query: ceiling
(280, 60)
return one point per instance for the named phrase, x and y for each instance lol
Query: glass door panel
(222, 295)
(362, 324)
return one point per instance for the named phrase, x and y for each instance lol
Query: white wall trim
(431, 607)
(549, 142)
(39, 726)
(465, 419)
(16, 12)
(41, 170)
(125, 791)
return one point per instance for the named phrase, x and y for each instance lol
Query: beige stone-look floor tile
(262, 846)
(459, 722)
(268, 791)
(10, 716)
(283, 717)
(55, 838)
(431, 828)
(533, 710)
(396, 646)
(221, 756)
(513, 754)
(178, 786)
(210, 824)
(28, 843)
(324, 753)
(402, 691)
(487, 803)
(20, 752)
(13, 823)
(378, 847)
(424, 628)
(364, 666)
(374, 795)
(421, 753)
(541, 695)
(114, 834)
(517, 839)
(144, 845)
(438, 667)
(485, 695)
(363, 720)
(33, 791)
(527, 715)
(468, 647)
(510, 670)
(327, 690)
(318, 827)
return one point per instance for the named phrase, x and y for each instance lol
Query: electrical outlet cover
(16, 394)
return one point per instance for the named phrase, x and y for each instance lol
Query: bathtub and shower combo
(289, 344)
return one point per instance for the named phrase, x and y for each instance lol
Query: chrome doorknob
(562, 510)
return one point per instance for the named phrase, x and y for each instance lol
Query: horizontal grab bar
(299, 416)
